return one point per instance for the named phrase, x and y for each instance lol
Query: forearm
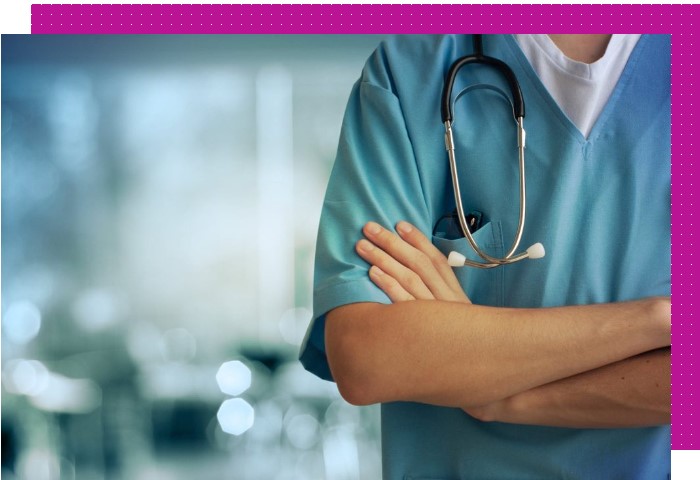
(635, 392)
(461, 355)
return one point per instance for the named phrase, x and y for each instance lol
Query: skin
(595, 366)
(582, 48)
(633, 393)
(539, 366)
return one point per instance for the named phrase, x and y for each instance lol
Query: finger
(389, 285)
(413, 259)
(409, 280)
(415, 238)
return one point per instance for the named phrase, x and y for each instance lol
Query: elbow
(350, 374)
(355, 392)
(349, 358)
(353, 383)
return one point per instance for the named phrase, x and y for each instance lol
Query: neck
(582, 48)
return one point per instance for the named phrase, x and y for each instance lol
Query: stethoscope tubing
(518, 108)
(479, 58)
(492, 261)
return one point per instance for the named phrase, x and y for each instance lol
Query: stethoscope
(456, 259)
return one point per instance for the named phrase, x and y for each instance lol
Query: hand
(407, 266)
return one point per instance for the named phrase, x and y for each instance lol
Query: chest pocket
(482, 286)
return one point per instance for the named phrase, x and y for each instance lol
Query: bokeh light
(302, 431)
(234, 377)
(236, 416)
(144, 181)
(25, 377)
(21, 322)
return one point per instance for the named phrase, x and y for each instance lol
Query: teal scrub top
(600, 205)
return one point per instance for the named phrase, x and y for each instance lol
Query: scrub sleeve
(374, 178)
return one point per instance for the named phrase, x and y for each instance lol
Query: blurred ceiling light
(21, 322)
(235, 416)
(234, 377)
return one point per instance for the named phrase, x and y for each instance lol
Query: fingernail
(373, 228)
(404, 227)
(365, 246)
(376, 271)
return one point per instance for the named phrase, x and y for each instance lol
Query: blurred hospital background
(160, 200)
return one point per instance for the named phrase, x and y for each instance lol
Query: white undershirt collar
(581, 90)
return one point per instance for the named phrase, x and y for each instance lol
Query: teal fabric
(600, 205)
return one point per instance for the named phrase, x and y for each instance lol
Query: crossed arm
(603, 365)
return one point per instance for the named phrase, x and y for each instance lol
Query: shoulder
(403, 57)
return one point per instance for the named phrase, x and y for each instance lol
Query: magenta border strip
(352, 18)
(677, 20)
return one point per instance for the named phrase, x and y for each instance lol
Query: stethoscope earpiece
(456, 259)
(535, 251)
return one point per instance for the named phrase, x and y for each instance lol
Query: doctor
(549, 368)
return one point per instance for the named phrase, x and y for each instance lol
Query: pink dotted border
(212, 19)
(383, 19)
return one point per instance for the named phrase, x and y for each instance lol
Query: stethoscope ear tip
(535, 251)
(455, 259)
